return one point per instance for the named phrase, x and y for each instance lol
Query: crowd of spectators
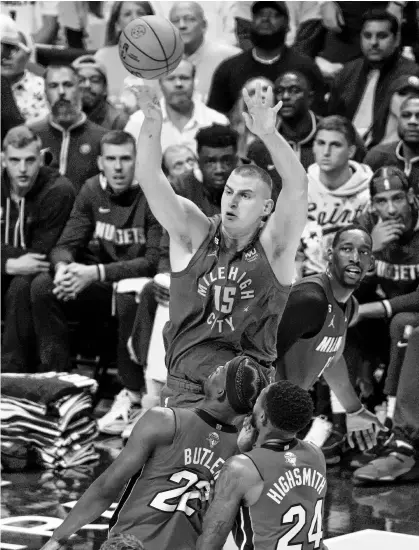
(75, 222)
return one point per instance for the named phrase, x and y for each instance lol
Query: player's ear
(329, 254)
(100, 163)
(269, 206)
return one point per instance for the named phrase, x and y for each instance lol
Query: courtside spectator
(178, 160)
(338, 190)
(10, 114)
(206, 55)
(398, 459)
(217, 158)
(391, 294)
(110, 209)
(73, 140)
(400, 89)
(94, 93)
(121, 14)
(361, 89)
(268, 58)
(183, 114)
(28, 89)
(403, 153)
(36, 202)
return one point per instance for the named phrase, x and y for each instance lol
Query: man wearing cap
(403, 153)
(169, 463)
(27, 88)
(94, 91)
(267, 58)
(394, 225)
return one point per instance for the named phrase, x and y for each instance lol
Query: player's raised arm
(282, 233)
(238, 476)
(156, 427)
(180, 217)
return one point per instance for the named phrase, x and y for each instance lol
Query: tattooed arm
(237, 478)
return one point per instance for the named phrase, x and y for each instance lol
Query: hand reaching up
(261, 117)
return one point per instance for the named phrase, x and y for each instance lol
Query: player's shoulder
(312, 453)
(311, 289)
(242, 467)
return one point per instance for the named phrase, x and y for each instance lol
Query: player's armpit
(232, 485)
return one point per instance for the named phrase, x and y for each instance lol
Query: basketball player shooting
(231, 274)
(169, 463)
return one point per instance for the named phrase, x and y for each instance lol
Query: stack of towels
(49, 414)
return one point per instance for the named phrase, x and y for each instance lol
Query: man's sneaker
(130, 426)
(334, 447)
(395, 463)
(319, 431)
(122, 412)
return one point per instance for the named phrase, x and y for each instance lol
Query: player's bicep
(198, 222)
(286, 224)
(156, 427)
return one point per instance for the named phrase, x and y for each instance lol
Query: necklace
(264, 61)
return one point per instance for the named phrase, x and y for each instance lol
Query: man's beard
(64, 111)
(268, 41)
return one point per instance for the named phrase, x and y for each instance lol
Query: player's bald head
(195, 8)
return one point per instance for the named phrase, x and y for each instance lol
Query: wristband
(98, 272)
(102, 274)
(387, 307)
(356, 413)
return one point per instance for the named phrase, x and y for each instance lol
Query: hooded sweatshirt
(123, 234)
(34, 222)
(329, 210)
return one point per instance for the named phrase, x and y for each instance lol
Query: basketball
(150, 47)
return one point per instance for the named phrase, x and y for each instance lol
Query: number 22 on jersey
(164, 500)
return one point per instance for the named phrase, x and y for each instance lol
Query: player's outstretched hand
(362, 429)
(148, 102)
(261, 117)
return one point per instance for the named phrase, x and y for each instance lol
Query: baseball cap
(279, 6)
(9, 34)
(388, 178)
(90, 61)
(406, 83)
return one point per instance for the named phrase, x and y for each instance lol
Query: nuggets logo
(213, 439)
(227, 286)
(138, 31)
(290, 458)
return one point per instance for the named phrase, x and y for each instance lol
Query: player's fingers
(360, 441)
(351, 440)
(247, 120)
(369, 438)
(278, 106)
(246, 97)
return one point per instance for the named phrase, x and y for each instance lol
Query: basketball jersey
(289, 512)
(221, 305)
(159, 504)
(306, 360)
